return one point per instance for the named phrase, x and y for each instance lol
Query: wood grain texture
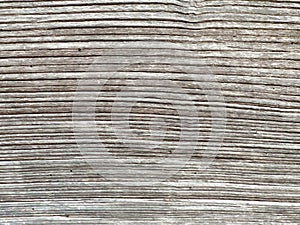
(251, 46)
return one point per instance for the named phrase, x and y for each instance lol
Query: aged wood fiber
(251, 46)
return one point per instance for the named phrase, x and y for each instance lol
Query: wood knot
(194, 7)
(195, 4)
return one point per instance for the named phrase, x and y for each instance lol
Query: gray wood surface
(250, 47)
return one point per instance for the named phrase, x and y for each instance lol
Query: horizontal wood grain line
(240, 3)
(162, 25)
(233, 32)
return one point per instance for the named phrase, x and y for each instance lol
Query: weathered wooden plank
(251, 48)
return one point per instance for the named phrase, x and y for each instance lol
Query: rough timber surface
(253, 48)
